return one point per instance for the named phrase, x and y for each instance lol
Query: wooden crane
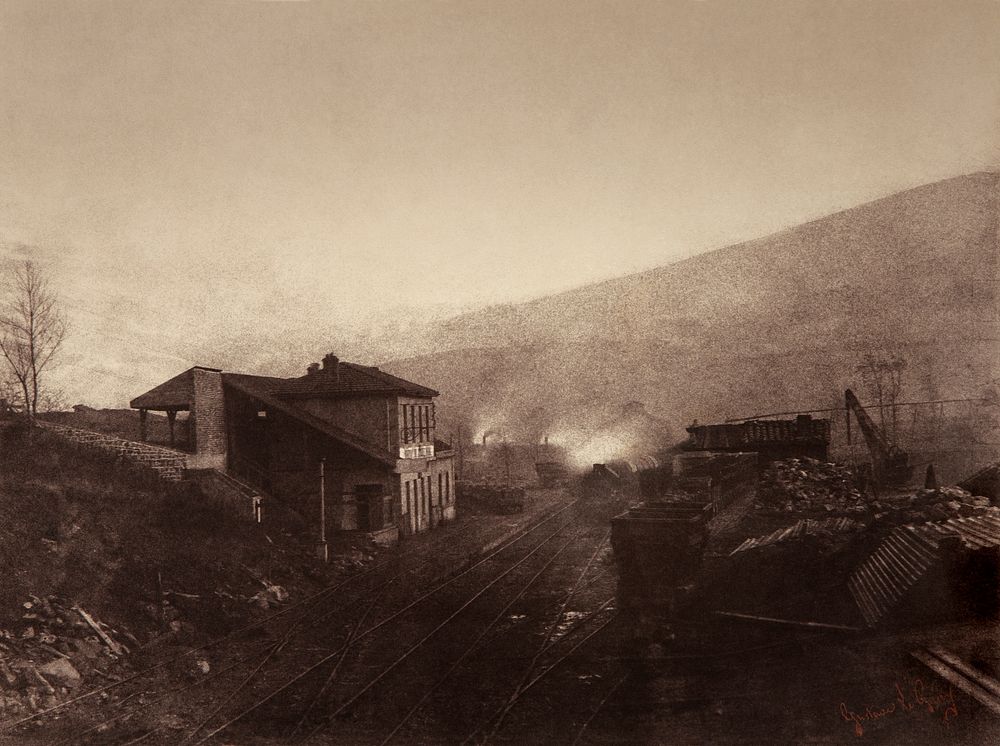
(890, 465)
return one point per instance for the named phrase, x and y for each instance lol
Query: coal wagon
(658, 547)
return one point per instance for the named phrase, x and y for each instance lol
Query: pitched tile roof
(350, 380)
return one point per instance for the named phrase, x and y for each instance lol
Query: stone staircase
(167, 464)
(245, 500)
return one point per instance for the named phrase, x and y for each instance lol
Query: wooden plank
(959, 681)
(791, 622)
(113, 646)
(981, 678)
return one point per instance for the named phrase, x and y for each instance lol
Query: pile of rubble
(48, 653)
(806, 484)
(929, 505)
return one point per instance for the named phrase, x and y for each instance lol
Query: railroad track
(452, 675)
(394, 651)
(326, 618)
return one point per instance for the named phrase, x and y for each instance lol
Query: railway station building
(366, 436)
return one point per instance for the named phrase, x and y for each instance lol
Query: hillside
(776, 323)
(162, 565)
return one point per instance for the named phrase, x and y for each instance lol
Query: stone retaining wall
(167, 464)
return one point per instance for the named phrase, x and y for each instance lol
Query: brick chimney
(331, 366)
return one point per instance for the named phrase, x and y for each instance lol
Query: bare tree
(52, 400)
(32, 328)
(882, 376)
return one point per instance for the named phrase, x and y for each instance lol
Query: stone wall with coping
(167, 464)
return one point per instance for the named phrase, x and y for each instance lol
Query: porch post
(171, 416)
(142, 425)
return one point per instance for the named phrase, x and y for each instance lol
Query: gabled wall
(367, 417)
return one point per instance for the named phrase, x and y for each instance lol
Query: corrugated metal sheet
(976, 532)
(909, 553)
(804, 527)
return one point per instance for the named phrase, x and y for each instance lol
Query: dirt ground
(456, 636)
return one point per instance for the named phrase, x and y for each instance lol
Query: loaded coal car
(658, 547)
(509, 500)
(722, 477)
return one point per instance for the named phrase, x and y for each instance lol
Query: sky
(227, 164)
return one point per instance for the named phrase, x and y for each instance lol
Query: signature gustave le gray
(918, 698)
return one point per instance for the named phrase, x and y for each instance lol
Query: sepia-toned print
(522, 372)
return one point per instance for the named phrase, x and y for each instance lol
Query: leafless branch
(32, 328)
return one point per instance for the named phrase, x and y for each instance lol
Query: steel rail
(146, 705)
(548, 635)
(371, 630)
(331, 677)
(313, 599)
(385, 672)
(544, 672)
(475, 643)
(269, 647)
(6, 726)
(600, 706)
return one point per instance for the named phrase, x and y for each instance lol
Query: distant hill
(772, 324)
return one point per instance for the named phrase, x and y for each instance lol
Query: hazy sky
(462, 152)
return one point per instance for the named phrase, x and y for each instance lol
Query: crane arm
(877, 443)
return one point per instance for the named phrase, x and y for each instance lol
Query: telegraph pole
(321, 548)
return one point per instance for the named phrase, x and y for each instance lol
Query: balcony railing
(416, 434)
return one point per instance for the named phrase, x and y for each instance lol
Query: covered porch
(172, 400)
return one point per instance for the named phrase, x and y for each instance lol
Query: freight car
(642, 477)
(658, 547)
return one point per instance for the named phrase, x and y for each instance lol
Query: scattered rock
(88, 649)
(271, 596)
(62, 672)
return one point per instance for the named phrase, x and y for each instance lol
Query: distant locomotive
(643, 477)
